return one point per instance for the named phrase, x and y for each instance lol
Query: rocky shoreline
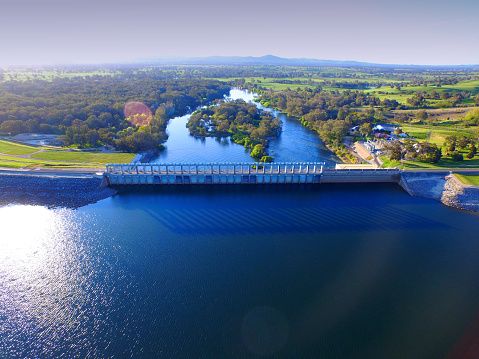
(52, 190)
(443, 187)
(458, 195)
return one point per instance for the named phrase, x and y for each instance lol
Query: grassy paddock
(84, 157)
(21, 162)
(437, 134)
(443, 163)
(13, 155)
(472, 180)
(12, 148)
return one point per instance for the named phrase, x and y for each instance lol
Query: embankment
(441, 186)
(457, 194)
(75, 190)
(70, 190)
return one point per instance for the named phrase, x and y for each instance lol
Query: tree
(13, 127)
(417, 100)
(472, 151)
(365, 129)
(257, 152)
(463, 142)
(394, 150)
(472, 117)
(422, 116)
(428, 152)
(450, 144)
(456, 156)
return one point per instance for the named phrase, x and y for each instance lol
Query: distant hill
(281, 61)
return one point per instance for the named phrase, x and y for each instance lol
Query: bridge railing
(240, 168)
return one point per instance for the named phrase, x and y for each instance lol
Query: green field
(444, 163)
(401, 96)
(92, 158)
(11, 148)
(13, 155)
(472, 180)
(438, 134)
(26, 163)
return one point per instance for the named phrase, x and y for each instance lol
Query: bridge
(239, 173)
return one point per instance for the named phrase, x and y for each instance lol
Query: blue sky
(387, 31)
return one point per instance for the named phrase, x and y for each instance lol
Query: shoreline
(441, 186)
(52, 189)
(77, 188)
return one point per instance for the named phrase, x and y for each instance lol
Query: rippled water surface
(330, 271)
(296, 143)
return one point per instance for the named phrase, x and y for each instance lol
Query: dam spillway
(240, 173)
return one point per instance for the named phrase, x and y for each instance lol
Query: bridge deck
(216, 168)
(238, 173)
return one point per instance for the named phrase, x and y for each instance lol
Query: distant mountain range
(281, 61)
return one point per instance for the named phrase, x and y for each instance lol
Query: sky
(107, 31)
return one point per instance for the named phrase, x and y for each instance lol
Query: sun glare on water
(26, 231)
(40, 276)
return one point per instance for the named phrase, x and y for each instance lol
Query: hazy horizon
(54, 32)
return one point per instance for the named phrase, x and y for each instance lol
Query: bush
(472, 117)
(456, 156)
(266, 159)
(257, 152)
(470, 155)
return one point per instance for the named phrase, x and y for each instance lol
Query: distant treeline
(89, 111)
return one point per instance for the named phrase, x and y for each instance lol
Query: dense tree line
(329, 113)
(89, 111)
(244, 122)
(455, 147)
(411, 150)
(318, 104)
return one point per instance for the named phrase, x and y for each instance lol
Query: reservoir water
(296, 142)
(331, 271)
(345, 271)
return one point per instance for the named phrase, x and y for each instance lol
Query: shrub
(257, 152)
(456, 156)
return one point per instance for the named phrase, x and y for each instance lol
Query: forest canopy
(96, 111)
(244, 122)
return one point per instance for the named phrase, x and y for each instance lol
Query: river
(295, 144)
(331, 271)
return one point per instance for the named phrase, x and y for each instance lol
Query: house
(384, 128)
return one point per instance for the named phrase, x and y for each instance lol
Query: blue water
(347, 271)
(295, 144)
(330, 271)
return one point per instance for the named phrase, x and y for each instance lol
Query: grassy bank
(13, 155)
(437, 134)
(444, 163)
(472, 180)
(12, 148)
